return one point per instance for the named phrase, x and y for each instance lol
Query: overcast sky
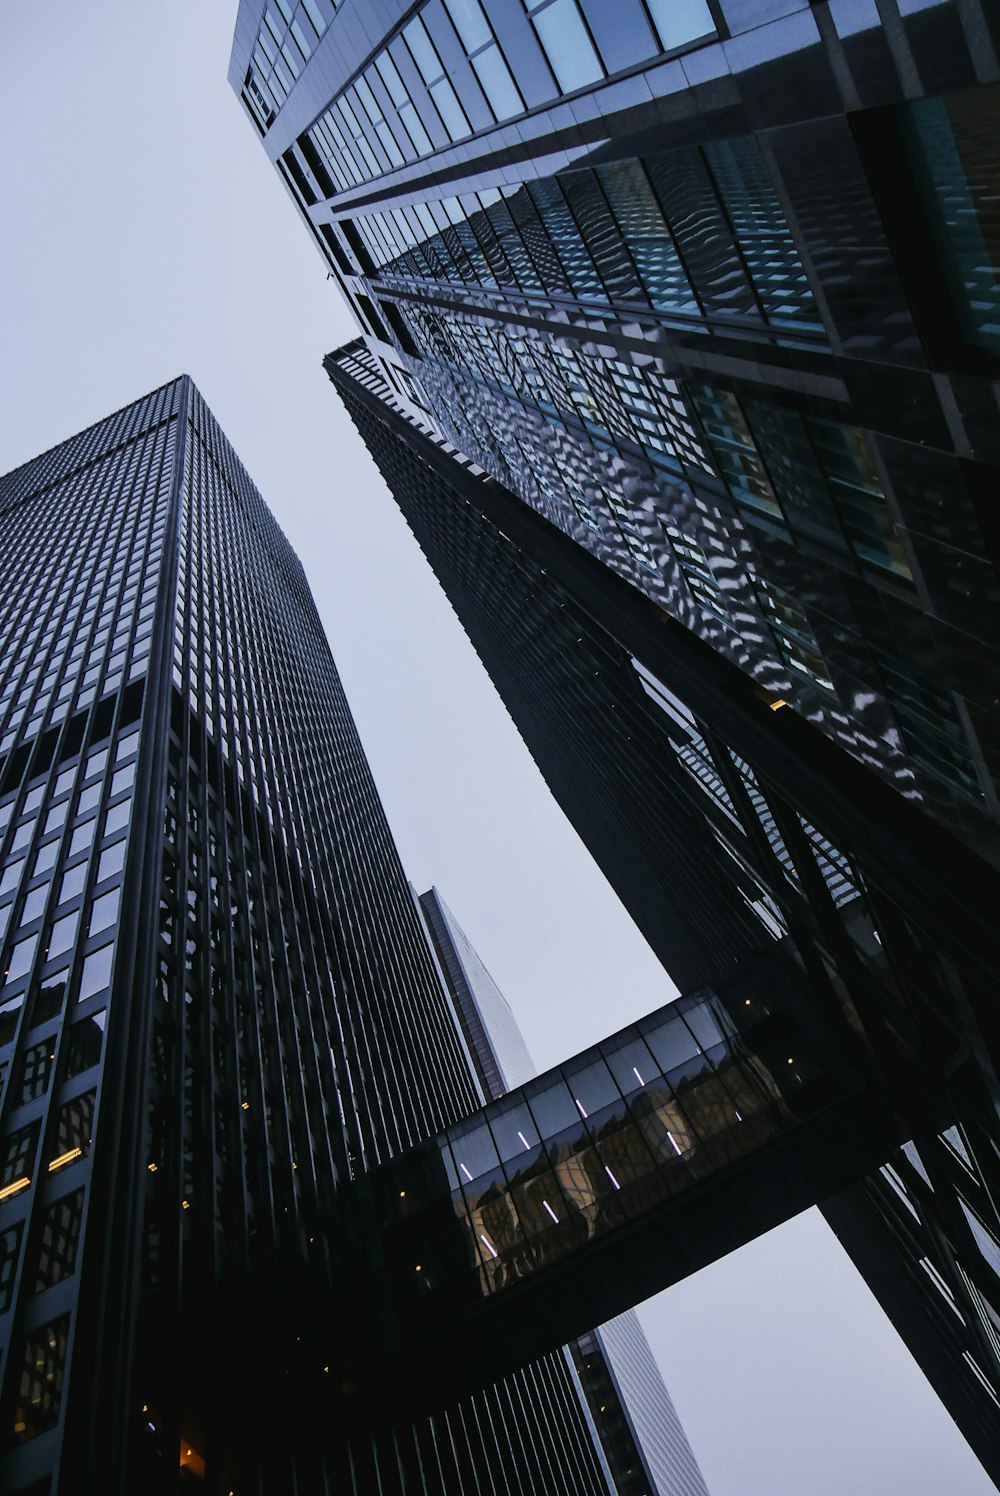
(144, 234)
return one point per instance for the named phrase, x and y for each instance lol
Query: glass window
(10, 1011)
(85, 1041)
(10, 1244)
(34, 904)
(470, 23)
(451, 112)
(39, 1392)
(422, 50)
(60, 1236)
(63, 934)
(566, 43)
(49, 998)
(74, 1125)
(104, 912)
(953, 145)
(497, 83)
(679, 22)
(744, 183)
(36, 1068)
(112, 861)
(55, 818)
(930, 724)
(122, 779)
(96, 973)
(73, 882)
(21, 958)
(12, 874)
(792, 632)
(81, 838)
(17, 1157)
(22, 835)
(117, 817)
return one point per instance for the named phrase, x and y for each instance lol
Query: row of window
(696, 232)
(447, 73)
(95, 561)
(288, 35)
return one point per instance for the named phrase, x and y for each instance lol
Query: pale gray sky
(144, 234)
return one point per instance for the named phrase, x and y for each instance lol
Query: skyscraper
(699, 825)
(710, 294)
(257, 1228)
(642, 1439)
(218, 1006)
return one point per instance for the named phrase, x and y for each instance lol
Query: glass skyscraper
(642, 1439)
(218, 1005)
(699, 820)
(680, 341)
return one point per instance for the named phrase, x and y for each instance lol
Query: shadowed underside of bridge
(606, 1180)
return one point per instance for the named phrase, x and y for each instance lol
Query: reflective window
(930, 724)
(104, 912)
(36, 1069)
(10, 1244)
(566, 42)
(96, 974)
(792, 632)
(39, 1391)
(60, 1236)
(439, 87)
(953, 141)
(84, 1046)
(679, 22)
(74, 1125)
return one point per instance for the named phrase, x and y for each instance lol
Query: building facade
(597, 245)
(640, 1434)
(218, 1006)
(653, 787)
(705, 297)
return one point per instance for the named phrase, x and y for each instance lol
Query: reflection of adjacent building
(653, 785)
(640, 1435)
(680, 338)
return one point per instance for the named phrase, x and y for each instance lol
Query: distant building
(640, 1434)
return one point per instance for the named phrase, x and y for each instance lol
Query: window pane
(96, 972)
(567, 45)
(59, 1238)
(470, 22)
(497, 83)
(85, 1041)
(450, 110)
(680, 21)
(40, 1386)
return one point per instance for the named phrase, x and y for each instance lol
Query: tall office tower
(218, 1007)
(713, 289)
(642, 1438)
(710, 802)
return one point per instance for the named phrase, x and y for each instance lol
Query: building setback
(634, 1419)
(218, 1006)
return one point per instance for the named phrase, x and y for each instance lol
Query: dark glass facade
(218, 1007)
(680, 349)
(654, 787)
(641, 1437)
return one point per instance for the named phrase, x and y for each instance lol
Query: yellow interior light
(777, 704)
(15, 1187)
